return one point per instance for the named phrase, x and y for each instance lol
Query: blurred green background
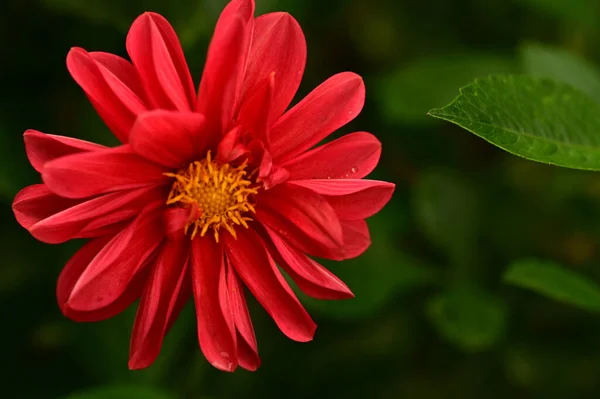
(432, 317)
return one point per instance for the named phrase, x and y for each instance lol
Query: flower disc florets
(218, 196)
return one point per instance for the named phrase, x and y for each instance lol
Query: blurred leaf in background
(469, 318)
(561, 65)
(446, 207)
(426, 82)
(554, 281)
(584, 12)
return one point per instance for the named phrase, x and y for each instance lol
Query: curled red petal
(221, 84)
(115, 266)
(258, 272)
(164, 286)
(216, 331)
(339, 187)
(75, 267)
(169, 138)
(122, 77)
(355, 154)
(246, 339)
(158, 58)
(231, 147)
(311, 277)
(37, 202)
(42, 147)
(111, 86)
(356, 237)
(247, 355)
(78, 220)
(92, 173)
(279, 48)
(73, 271)
(175, 219)
(352, 199)
(304, 218)
(330, 106)
(254, 113)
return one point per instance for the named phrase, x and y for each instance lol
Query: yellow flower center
(218, 196)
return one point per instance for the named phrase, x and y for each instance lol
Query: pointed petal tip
(252, 368)
(224, 364)
(31, 132)
(149, 15)
(76, 49)
(138, 363)
(305, 335)
(344, 293)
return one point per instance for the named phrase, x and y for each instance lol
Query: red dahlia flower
(208, 192)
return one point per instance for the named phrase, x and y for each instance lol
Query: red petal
(355, 155)
(93, 214)
(246, 340)
(96, 228)
(112, 86)
(175, 219)
(279, 47)
(258, 272)
(42, 147)
(73, 271)
(113, 269)
(231, 147)
(37, 202)
(169, 138)
(163, 289)
(225, 64)
(122, 78)
(247, 355)
(304, 218)
(92, 173)
(182, 299)
(327, 108)
(216, 331)
(356, 237)
(338, 187)
(75, 267)
(254, 112)
(158, 58)
(352, 198)
(311, 277)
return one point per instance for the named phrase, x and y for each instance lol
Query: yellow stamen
(221, 194)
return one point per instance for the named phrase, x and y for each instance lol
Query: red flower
(207, 192)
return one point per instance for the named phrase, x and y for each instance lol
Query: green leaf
(581, 11)
(446, 209)
(554, 281)
(470, 319)
(409, 92)
(539, 119)
(559, 64)
(121, 392)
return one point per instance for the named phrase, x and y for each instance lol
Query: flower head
(208, 192)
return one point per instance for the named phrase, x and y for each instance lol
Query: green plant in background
(444, 304)
(551, 115)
